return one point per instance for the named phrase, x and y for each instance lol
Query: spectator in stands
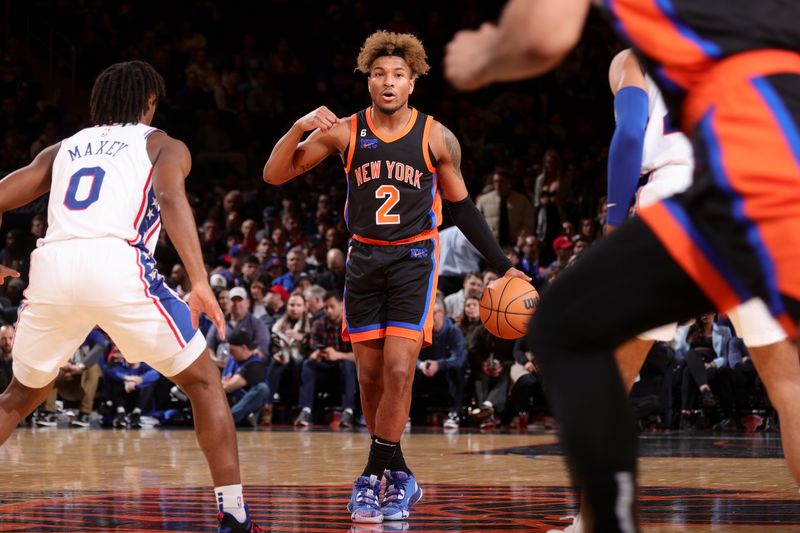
(211, 240)
(588, 230)
(38, 226)
(331, 358)
(705, 349)
(471, 318)
(16, 253)
(315, 299)
(238, 319)
(651, 395)
(488, 277)
(258, 290)
(251, 270)
(233, 274)
(562, 246)
(77, 380)
(294, 233)
(457, 257)
(491, 359)
(526, 386)
(289, 348)
(333, 279)
(441, 366)
(507, 212)
(530, 263)
(472, 288)
(275, 303)
(244, 378)
(129, 386)
(179, 281)
(273, 268)
(6, 342)
(249, 229)
(264, 250)
(295, 265)
(547, 183)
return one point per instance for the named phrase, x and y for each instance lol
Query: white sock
(231, 501)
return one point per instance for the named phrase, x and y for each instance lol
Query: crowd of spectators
(534, 157)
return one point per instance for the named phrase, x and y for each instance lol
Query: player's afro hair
(385, 43)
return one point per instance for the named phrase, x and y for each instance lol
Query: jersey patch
(369, 144)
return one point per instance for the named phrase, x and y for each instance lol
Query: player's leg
(46, 337)
(409, 319)
(175, 349)
(778, 364)
(365, 326)
(779, 367)
(627, 284)
(17, 402)
(369, 366)
(213, 422)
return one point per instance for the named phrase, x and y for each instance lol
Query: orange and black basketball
(507, 307)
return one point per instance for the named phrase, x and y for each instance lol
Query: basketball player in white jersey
(645, 147)
(111, 185)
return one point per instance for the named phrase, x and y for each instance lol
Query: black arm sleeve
(474, 227)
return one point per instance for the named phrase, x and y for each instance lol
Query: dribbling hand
(6, 272)
(203, 300)
(512, 273)
(322, 118)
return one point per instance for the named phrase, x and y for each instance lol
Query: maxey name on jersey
(111, 148)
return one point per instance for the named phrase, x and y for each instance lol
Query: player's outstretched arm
(628, 85)
(23, 186)
(532, 37)
(462, 209)
(290, 157)
(171, 164)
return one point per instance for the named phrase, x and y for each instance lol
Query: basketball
(507, 307)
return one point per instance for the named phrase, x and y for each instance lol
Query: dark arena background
(238, 74)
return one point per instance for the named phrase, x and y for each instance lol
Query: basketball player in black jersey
(398, 163)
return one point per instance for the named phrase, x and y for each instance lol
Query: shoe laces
(365, 493)
(395, 489)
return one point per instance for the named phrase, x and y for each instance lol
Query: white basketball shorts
(78, 284)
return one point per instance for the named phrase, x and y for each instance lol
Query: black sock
(398, 462)
(380, 455)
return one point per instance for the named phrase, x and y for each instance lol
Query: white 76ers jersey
(663, 144)
(102, 187)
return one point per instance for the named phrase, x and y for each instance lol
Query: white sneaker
(575, 527)
(452, 421)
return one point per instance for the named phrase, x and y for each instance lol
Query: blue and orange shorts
(736, 231)
(390, 289)
(730, 71)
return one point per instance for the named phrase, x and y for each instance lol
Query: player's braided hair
(121, 92)
(385, 43)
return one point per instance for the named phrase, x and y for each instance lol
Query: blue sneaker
(402, 492)
(364, 505)
(227, 523)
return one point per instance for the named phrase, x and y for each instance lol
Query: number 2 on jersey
(392, 196)
(96, 174)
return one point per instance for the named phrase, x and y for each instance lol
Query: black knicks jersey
(392, 187)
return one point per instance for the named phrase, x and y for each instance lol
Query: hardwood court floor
(70, 480)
